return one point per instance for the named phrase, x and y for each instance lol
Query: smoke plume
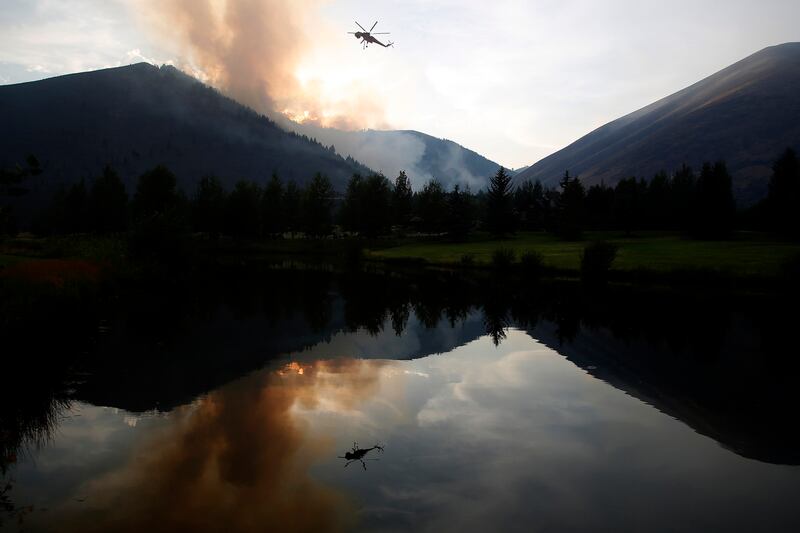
(251, 50)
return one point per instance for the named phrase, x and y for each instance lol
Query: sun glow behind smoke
(261, 53)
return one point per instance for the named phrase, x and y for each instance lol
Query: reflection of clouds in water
(234, 460)
(482, 438)
(518, 439)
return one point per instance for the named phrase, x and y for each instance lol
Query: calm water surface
(514, 437)
(493, 416)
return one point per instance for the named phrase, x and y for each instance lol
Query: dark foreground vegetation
(684, 222)
(696, 205)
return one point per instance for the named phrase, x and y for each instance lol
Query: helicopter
(367, 36)
(358, 453)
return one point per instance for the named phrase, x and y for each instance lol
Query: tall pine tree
(570, 208)
(500, 205)
(784, 195)
(401, 200)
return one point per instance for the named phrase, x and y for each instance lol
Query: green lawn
(746, 254)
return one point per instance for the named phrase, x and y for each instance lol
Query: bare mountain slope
(746, 114)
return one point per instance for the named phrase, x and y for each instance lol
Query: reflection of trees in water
(28, 419)
(150, 321)
(690, 319)
(43, 332)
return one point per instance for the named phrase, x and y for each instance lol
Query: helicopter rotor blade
(380, 33)
(373, 26)
(360, 26)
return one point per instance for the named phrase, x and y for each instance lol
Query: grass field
(7, 260)
(745, 254)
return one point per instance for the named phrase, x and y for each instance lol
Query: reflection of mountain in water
(733, 398)
(222, 345)
(716, 363)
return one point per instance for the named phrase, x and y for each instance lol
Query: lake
(550, 408)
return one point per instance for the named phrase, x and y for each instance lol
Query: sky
(513, 80)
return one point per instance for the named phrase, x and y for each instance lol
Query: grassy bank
(747, 254)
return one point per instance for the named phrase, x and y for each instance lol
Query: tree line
(698, 204)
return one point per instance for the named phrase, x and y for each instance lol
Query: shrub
(160, 237)
(467, 260)
(503, 258)
(354, 254)
(532, 264)
(790, 272)
(596, 261)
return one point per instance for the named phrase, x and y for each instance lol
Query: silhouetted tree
(208, 206)
(12, 184)
(401, 200)
(628, 206)
(499, 205)
(367, 205)
(108, 203)
(600, 207)
(160, 229)
(460, 217)
(431, 205)
(714, 209)
(156, 192)
(529, 204)
(783, 199)
(657, 202)
(273, 214)
(68, 212)
(682, 198)
(316, 207)
(242, 213)
(292, 200)
(570, 208)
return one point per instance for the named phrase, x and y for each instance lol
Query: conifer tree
(242, 216)
(108, 203)
(570, 208)
(499, 205)
(714, 207)
(317, 205)
(401, 200)
(273, 210)
(292, 200)
(460, 212)
(208, 206)
(783, 199)
(431, 204)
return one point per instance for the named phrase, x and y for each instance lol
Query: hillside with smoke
(252, 50)
(422, 156)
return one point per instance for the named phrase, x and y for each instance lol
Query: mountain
(138, 116)
(422, 156)
(746, 114)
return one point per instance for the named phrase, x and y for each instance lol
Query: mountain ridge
(140, 115)
(137, 116)
(745, 114)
